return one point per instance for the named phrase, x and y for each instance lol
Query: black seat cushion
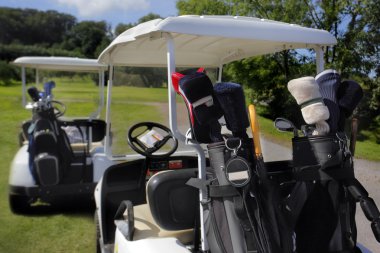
(173, 204)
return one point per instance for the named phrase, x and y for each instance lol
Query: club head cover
(34, 93)
(232, 101)
(306, 92)
(204, 111)
(349, 95)
(48, 87)
(329, 82)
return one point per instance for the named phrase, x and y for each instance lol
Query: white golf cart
(164, 214)
(54, 163)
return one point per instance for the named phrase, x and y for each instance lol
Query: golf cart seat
(171, 209)
(85, 133)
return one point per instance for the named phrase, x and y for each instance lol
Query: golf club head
(285, 125)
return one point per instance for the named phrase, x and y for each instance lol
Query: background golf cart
(78, 178)
(193, 41)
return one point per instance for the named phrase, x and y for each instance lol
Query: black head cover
(232, 101)
(204, 111)
(349, 95)
(34, 93)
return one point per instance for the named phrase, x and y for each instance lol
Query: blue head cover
(329, 82)
(48, 87)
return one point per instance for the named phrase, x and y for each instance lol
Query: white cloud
(92, 8)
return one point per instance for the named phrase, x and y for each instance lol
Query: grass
(72, 232)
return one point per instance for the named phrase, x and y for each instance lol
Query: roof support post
(37, 77)
(107, 144)
(319, 59)
(23, 81)
(220, 72)
(177, 134)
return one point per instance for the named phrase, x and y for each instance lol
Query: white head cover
(306, 92)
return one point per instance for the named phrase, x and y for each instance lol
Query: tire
(21, 139)
(97, 225)
(19, 204)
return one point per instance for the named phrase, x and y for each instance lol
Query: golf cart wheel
(19, 204)
(21, 139)
(97, 225)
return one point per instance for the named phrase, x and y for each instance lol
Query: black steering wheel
(59, 108)
(138, 146)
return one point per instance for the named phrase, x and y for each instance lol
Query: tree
(150, 77)
(120, 28)
(265, 76)
(88, 37)
(28, 26)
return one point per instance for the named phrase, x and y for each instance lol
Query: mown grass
(71, 232)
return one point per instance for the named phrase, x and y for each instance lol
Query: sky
(112, 11)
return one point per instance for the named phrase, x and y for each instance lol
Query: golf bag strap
(242, 214)
(311, 173)
(214, 191)
(225, 191)
(367, 204)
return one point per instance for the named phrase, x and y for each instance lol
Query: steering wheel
(144, 150)
(59, 108)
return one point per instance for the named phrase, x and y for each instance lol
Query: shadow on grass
(47, 210)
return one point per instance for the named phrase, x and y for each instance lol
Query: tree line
(355, 24)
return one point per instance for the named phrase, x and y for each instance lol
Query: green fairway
(68, 232)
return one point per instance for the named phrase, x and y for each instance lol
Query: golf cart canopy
(209, 41)
(59, 63)
(53, 63)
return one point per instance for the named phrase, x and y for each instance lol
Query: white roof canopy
(209, 41)
(59, 63)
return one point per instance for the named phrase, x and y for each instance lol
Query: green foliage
(88, 38)
(356, 25)
(12, 51)
(120, 28)
(29, 26)
(7, 73)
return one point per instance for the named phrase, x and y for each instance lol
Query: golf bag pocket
(46, 162)
(47, 169)
(321, 158)
(227, 223)
(204, 111)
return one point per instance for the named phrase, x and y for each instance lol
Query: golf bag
(228, 225)
(321, 207)
(49, 148)
(238, 207)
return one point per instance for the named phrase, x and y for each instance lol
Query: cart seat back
(173, 204)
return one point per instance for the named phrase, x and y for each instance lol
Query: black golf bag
(306, 205)
(321, 207)
(235, 219)
(49, 148)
